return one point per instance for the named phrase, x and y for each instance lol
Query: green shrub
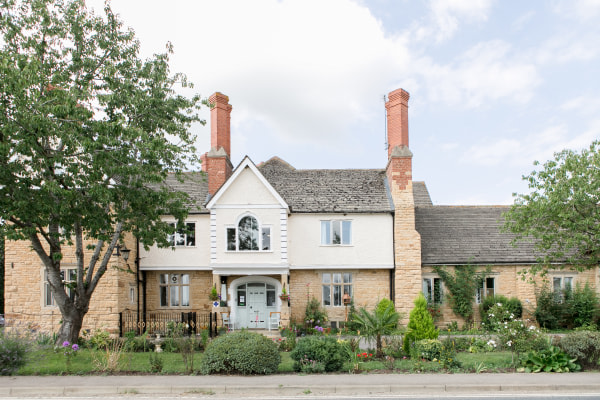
(242, 353)
(583, 306)
(381, 321)
(428, 349)
(584, 345)
(548, 312)
(314, 314)
(513, 305)
(288, 341)
(574, 308)
(320, 349)
(553, 359)
(13, 352)
(420, 324)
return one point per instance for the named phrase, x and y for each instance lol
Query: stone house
(255, 230)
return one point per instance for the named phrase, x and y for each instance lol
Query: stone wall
(24, 289)
(369, 286)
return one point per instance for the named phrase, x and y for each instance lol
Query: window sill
(248, 251)
(336, 245)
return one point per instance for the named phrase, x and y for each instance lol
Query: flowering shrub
(13, 352)
(309, 366)
(364, 356)
(514, 334)
(428, 349)
(69, 351)
(314, 314)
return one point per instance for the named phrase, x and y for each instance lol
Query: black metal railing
(158, 322)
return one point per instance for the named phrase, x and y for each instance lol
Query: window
(71, 278)
(184, 237)
(245, 237)
(486, 288)
(336, 232)
(335, 286)
(174, 290)
(560, 286)
(432, 289)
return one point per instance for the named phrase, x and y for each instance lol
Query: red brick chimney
(397, 119)
(216, 162)
(399, 168)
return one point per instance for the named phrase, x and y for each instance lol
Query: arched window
(248, 235)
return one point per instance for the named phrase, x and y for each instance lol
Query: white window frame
(263, 230)
(181, 238)
(333, 287)
(559, 292)
(48, 297)
(327, 232)
(484, 290)
(433, 296)
(180, 288)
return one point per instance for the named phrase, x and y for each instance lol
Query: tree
(381, 321)
(562, 212)
(88, 134)
(420, 324)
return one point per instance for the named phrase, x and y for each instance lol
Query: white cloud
(487, 71)
(447, 15)
(582, 10)
(290, 65)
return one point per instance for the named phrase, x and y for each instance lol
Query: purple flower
(66, 343)
(75, 347)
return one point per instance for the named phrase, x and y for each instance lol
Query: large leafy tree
(88, 134)
(561, 214)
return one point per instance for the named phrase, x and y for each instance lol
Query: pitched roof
(195, 184)
(421, 194)
(328, 190)
(468, 234)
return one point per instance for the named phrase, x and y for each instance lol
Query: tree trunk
(379, 347)
(70, 327)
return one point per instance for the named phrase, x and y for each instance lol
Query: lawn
(86, 361)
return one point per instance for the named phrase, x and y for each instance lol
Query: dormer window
(248, 235)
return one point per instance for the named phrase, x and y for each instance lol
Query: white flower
(499, 304)
(509, 343)
(531, 328)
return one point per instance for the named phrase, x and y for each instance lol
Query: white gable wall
(247, 189)
(178, 258)
(372, 242)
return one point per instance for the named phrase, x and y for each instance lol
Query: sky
(494, 85)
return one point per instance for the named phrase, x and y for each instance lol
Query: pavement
(294, 385)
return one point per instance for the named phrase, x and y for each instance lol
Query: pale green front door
(257, 305)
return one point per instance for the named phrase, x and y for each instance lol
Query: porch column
(285, 308)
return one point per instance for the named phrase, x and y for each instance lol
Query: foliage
(69, 350)
(109, 358)
(308, 366)
(99, 340)
(88, 134)
(314, 313)
(462, 285)
(392, 346)
(156, 362)
(561, 211)
(420, 324)
(242, 352)
(351, 324)
(512, 333)
(288, 341)
(447, 358)
(551, 359)
(184, 342)
(323, 349)
(583, 345)
(13, 351)
(572, 309)
(513, 305)
(213, 295)
(428, 349)
(381, 321)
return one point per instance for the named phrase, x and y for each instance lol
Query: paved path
(292, 385)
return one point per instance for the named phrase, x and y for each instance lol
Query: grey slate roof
(195, 184)
(421, 194)
(468, 234)
(328, 190)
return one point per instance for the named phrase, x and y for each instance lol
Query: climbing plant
(462, 286)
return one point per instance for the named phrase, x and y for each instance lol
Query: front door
(257, 305)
